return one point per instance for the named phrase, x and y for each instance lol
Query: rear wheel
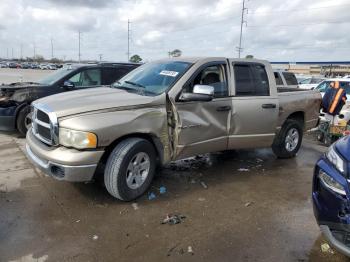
(288, 141)
(24, 120)
(130, 169)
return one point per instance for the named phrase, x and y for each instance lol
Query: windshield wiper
(134, 84)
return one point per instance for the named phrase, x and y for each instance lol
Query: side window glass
(278, 78)
(244, 80)
(323, 86)
(76, 79)
(213, 76)
(111, 75)
(91, 77)
(290, 78)
(261, 81)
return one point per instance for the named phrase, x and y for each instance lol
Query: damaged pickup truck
(164, 111)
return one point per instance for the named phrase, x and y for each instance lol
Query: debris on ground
(151, 196)
(243, 170)
(135, 206)
(173, 219)
(162, 190)
(325, 248)
(123, 211)
(248, 204)
(204, 185)
(201, 199)
(190, 250)
(95, 237)
(77, 221)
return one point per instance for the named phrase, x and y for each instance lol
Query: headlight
(77, 139)
(335, 159)
(331, 183)
(3, 98)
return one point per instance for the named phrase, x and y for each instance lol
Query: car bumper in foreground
(337, 244)
(62, 163)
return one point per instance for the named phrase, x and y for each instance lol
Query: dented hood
(94, 99)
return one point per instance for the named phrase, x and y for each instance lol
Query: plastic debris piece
(248, 204)
(201, 199)
(151, 196)
(325, 248)
(162, 190)
(204, 185)
(243, 170)
(190, 250)
(173, 219)
(95, 237)
(135, 206)
(77, 221)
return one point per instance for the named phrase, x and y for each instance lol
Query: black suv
(15, 99)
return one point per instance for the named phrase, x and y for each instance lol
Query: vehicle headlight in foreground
(335, 159)
(77, 139)
(331, 183)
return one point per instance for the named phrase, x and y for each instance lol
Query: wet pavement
(239, 206)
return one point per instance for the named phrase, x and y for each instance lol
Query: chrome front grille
(44, 124)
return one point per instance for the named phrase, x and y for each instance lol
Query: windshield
(52, 78)
(153, 78)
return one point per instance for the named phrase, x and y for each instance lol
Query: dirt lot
(10, 75)
(264, 214)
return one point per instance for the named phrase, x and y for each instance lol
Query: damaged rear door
(203, 126)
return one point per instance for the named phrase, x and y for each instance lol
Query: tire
(279, 146)
(320, 136)
(122, 160)
(23, 119)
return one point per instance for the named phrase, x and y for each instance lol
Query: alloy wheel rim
(138, 170)
(292, 139)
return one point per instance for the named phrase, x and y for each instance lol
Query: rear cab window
(251, 80)
(290, 78)
(278, 79)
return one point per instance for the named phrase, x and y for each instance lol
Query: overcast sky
(298, 30)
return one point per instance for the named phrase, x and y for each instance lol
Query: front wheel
(24, 120)
(130, 169)
(288, 141)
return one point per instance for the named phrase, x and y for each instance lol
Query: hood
(343, 147)
(83, 101)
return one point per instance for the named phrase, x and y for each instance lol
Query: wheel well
(18, 110)
(299, 116)
(149, 137)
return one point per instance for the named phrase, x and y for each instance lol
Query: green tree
(135, 59)
(175, 53)
(249, 56)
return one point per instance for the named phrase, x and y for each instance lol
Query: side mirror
(68, 84)
(203, 93)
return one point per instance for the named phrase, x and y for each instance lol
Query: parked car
(15, 99)
(51, 66)
(285, 79)
(331, 195)
(43, 66)
(164, 111)
(345, 84)
(14, 65)
(311, 82)
(25, 66)
(3, 65)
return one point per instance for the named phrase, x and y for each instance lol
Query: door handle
(268, 106)
(223, 108)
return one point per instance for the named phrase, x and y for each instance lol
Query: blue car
(331, 195)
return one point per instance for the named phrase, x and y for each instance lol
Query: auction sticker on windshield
(169, 73)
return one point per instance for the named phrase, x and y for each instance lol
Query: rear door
(254, 106)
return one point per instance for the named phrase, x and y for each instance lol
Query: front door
(203, 126)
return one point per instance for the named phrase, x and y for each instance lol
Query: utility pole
(100, 55)
(12, 52)
(239, 48)
(34, 47)
(7, 53)
(51, 48)
(128, 41)
(21, 49)
(79, 54)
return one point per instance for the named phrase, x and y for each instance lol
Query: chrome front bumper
(62, 172)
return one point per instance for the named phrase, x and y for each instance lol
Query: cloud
(276, 30)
